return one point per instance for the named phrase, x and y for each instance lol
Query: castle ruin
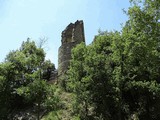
(71, 36)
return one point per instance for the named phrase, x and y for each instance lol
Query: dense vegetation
(23, 77)
(116, 77)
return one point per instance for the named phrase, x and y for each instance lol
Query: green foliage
(89, 77)
(117, 76)
(23, 77)
(141, 60)
(34, 91)
(52, 101)
(41, 93)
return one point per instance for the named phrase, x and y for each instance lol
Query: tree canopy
(23, 78)
(117, 76)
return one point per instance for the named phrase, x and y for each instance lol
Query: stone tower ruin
(71, 36)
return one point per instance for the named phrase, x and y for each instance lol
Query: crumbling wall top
(70, 32)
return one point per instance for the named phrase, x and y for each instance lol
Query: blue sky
(20, 19)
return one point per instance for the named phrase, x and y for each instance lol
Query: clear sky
(20, 19)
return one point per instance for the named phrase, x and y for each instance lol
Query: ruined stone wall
(71, 36)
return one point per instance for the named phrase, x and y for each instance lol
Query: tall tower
(71, 36)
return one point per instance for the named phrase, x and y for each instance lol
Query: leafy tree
(47, 68)
(75, 75)
(140, 52)
(35, 91)
(24, 68)
(40, 93)
(90, 79)
(6, 100)
(118, 74)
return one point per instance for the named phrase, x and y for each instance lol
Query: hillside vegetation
(116, 77)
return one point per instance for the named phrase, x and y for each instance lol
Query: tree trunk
(38, 111)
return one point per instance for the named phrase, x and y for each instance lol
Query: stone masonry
(71, 36)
